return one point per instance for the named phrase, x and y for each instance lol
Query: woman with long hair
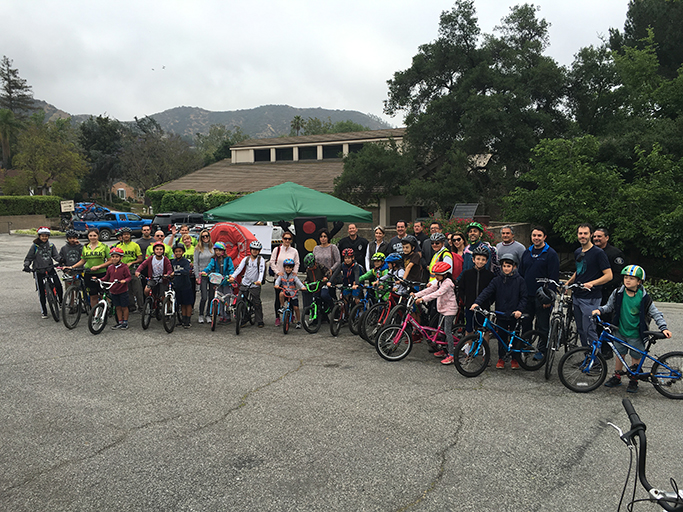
(202, 255)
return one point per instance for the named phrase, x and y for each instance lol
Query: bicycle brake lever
(626, 441)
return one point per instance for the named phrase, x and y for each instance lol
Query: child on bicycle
(287, 286)
(41, 255)
(446, 304)
(375, 274)
(183, 283)
(118, 273)
(633, 308)
(222, 264)
(394, 273)
(155, 267)
(349, 271)
(472, 282)
(316, 272)
(254, 267)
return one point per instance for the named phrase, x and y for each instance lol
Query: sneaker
(123, 326)
(43, 316)
(200, 319)
(277, 322)
(614, 382)
(500, 364)
(514, 364)
(117, 326)
(261, 324)
(440, 353)
(538, 356)
(632, 386)
(298, 325)
(448, 360)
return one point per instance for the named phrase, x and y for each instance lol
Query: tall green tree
(102, 139)
(9, 125)
(215, 145)
(15, 93)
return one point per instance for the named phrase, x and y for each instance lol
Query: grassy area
(33, 232)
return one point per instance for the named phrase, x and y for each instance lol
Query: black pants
(52, 279)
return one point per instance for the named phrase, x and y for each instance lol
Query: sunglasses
(436, 243)
(158, 236)
(206, 236)
(457, 239)
(288, 239)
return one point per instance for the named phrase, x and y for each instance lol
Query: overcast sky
(135, 58)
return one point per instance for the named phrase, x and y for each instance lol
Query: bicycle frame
(490, 326)
(424, 330)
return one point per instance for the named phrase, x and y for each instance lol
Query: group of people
(456, 269)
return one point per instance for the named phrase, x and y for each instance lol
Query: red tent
(236, 239)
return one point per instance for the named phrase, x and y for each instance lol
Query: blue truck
(111, 222)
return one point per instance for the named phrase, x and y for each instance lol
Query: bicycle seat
(655, 335)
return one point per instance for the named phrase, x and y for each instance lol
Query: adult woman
(95, 257)
(457, 250)
(325, 253)
(378, 245)
(188, 241)
(202, 257)
(280, 254)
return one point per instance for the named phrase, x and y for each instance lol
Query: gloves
(27, 269)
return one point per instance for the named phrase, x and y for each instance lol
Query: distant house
(124, 191)
(313, 161)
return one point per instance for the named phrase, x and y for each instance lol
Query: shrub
(665, 291)
(456, 225)
(30, 205)
(187, 200)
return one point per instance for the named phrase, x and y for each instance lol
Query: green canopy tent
(286, 202)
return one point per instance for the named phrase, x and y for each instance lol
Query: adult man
(355, 242)
(146, 239)
(159, 237)
(617, 261)
(395, 243)
(419, 231)
(427, 253)
(509, 245)
(539, 260)
(474, 234)
(592, 271)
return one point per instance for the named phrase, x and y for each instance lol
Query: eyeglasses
(287, 239)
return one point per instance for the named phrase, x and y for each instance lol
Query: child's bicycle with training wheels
(222, 304)
(562, 331)
(76, 299)
(244, 310)
(51, 297)
(394, 342)
(312, 316)
(286, 313)
(671, 501)
(97, 319)
(585, 369)
(472, 353)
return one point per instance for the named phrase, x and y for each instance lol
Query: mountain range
(260, 122)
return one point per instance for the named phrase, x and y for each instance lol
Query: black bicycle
(51, 296)
(76, 299)
(671, 501)
(244, 310)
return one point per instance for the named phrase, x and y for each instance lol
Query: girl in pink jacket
(446, 304)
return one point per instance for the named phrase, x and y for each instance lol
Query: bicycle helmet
(633, 270)
(289, 262)
(441, 268)
(512, 258)
(116, 250)
(309, 259)
(545, 296)
(378, 256)
(159, 244)
(437, 237)
(394, 257)
(179, 245)
(219, 245)
(125, 230)
(474, 225)
(480, 251)
(410, 239)
(255, 245)
(71, 233)
(43, 230)
(347, 252)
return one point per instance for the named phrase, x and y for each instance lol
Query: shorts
(184, 296)
(120, 299)
(634, 342)
(92, 285)
(294, 302)
(354, 293)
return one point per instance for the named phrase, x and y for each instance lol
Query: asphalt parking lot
(199, 420)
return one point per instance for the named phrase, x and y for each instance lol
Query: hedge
(665, 291)
(30, 205)
(187, 200)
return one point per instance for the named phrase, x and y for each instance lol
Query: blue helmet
(393, 257)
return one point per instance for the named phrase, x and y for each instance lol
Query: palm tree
(297, 124)
(8, 123)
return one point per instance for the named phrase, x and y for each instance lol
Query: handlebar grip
(636, 422)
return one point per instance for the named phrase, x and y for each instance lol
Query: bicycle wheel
(372, 322)
(336, 319)
(571, 335)
(71, 306)
(286, 320)
(530, 356)
(669, 382)
(397, 314)
(553, 346)
(97, 319)
(147, 310)
(215, 306)
(311, 319)
(354, 317)
(472, 355)
(582, 372)
(240, 312)
(52, 301)
(393, 343)
(251, 314)
(169, 314)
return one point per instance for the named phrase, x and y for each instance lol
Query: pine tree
(15, 94)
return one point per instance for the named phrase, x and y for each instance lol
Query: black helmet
(512, 258)
(480, 251)
(71, 233)
(545, 295)
(179, 245)
(410, 239)
(125, 229)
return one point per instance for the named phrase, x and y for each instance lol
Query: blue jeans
(584, 319)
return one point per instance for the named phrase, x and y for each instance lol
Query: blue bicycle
(367, 300)
(585, 369)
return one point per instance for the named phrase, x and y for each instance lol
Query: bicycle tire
(97, 319)
(147, 310)
(72, 306)
(251, 314)
(311, 319)
(215, 306)
(397, 314)
(552, 347)
(168, 319)
(52, 301)
(286, 320)
(240, 311)
(669, 387)
(372, 323)
(354, 317)
(580, 372)
(531, 357)
(393, 344)
(571, 335)
(336, 319)
(472, 355)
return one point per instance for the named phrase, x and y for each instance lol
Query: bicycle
(394, 342)
(313, 313)
(50, 291)
(340, 311)
(671, 501)
(152, 305)
(222, 303)
(171, 313)
(76, 297)
(100, 313)
(244, 310)
(562, 326)
(366, 301)
(286, 313)
(584, 369)
(378, 316)
(472, 353)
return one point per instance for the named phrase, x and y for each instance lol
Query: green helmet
(634, 270)
(474, 225)
(309, 259)
(378, 256)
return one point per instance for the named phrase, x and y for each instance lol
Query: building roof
(250, 177)
(367, 136)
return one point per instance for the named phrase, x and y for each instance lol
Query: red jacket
(121, 272)
(146, 267)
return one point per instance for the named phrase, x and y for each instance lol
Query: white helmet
(255, 245)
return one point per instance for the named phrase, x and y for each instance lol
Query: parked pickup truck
(111, 222)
